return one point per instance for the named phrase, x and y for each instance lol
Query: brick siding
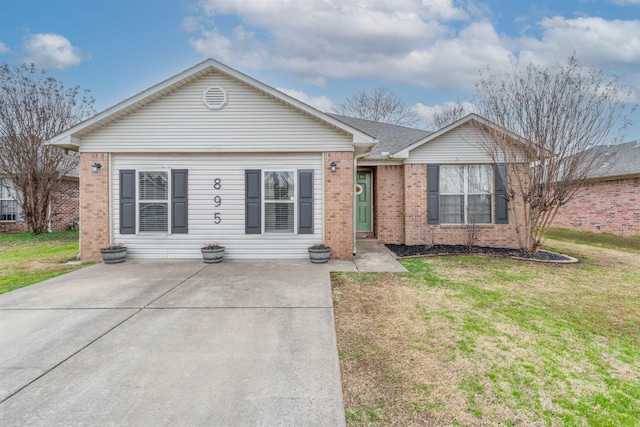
(388, 202)
(338, 204)
(66, 205)
(415, 204)
(401, 213)
(94, 206)
(604, 206)
(64, 208)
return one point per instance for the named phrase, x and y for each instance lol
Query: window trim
(167, 201)
(7, 184)
(465, 194)
(293, 201)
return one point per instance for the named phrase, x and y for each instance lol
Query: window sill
(457, 226)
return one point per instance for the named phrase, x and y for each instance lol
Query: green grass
(497, 341)
(27, 258)
(602, 240)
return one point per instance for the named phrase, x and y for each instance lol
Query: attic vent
(215, 98)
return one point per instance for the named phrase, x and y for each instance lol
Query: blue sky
(321, 51)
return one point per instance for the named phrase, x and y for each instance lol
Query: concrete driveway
(172, 343)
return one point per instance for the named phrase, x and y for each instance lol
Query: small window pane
(278, 217)
(479, 209)
(451, 179)
(452, 209)
(479, 179)
(278, 186)
(154, 217)
(154, 185)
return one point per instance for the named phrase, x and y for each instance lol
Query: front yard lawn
(27, 258)
(484, 341)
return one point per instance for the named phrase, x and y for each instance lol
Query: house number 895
(217, 184)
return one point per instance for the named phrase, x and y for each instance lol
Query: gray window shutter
(179, 201)
(433, 194)
(305, 202)
(127, 202)
(502, 207)
(253, 210)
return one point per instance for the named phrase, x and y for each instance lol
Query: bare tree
(378, 105)
(34, 108)
(558, 114)
(448, 114)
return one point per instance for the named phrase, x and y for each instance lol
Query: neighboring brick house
(213, 154)
(64, 206)
(610, 199)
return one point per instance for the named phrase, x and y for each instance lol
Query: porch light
(333, 166)
(96, 167)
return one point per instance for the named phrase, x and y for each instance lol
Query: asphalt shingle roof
(621, 159)
(392, 138)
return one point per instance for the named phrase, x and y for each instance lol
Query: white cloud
(4, 49)
(321, 103)
(625, 2)
(405, 40)
(435, 44)
(426, 112)
(51, 50)
(596, 41)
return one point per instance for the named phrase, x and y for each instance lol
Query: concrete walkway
(173, 343)
(160, 342)
(373, 257)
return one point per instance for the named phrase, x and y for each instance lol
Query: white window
(465, 194)
(279, 201)
(153, 201)
(9, 207)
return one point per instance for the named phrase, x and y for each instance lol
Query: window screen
(9, 207)
(153, 201)
(465, 194)
(279, 202)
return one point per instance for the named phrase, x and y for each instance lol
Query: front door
(363, 201)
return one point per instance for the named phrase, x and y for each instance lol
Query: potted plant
(319, 253)
(212, 252)
(113, 253)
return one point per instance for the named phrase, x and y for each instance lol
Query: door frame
(370, 191)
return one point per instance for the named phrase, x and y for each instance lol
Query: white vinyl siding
(205, 201)
(461, 145)
(251, 121)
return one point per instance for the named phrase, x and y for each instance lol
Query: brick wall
(13, 227)
(415, 204)
(338, 204)
(64, 208)
(94, 205)
(604, 206)
(401, 213)
(389, 203)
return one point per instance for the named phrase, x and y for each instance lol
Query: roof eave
(67, 141)
(149, 95)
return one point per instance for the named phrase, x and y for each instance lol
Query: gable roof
(70, 138)
(404, 153)
(391, 138)
(621, 160)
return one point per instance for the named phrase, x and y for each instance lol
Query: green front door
(363, 201)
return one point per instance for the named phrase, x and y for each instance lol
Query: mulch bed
(425, 250)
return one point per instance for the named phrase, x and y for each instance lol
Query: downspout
(110, 198)
(355, 178)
